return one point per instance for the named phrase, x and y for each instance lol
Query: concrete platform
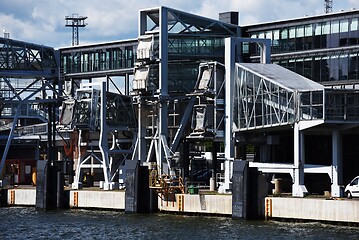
(217, 204)
(311, 209)
(336, 210)
(21, 197)
(97, 199)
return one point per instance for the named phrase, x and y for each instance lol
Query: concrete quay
(313, 209)
(307, 209)
(216, 204)
(97, 199)
(21, 197)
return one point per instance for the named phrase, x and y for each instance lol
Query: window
(317, 36)
(344, 33)
(343, 67)
(334, 27)
(283, 42)
(292, 32)
(299, 67)
(344, 25)
(353, 34)
(275, 41)
(291, 40)
(334, 37)
(284, 33)
(300, 31)
(308, 68)
(334, 68)
(308, 30)
(308, 39)
(269, 35)
(299, 43)
(353, 66)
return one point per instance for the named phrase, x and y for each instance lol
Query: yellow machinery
(165, 184)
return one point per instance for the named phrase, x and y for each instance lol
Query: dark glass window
(344, 32)
(299, 66)
(317, 35)
(84, 62)
(333, 68)
(308, 37)
(275, 42)
(325, 38)
(353, 66)
(307, 68)
(299, 35)
(284, 63)
(317, 69)
(343, 67)
(353, 31)
(324, 69)
(129, 57)
(96, 62)
(291, 65)
(291, 40)
(253, 48)
(334, 34)
(283, 42)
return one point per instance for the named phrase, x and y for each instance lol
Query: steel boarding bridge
(99, 60)
(28, 74)
(262, 101)
(267, 95)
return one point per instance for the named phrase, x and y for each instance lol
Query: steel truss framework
(104, 128)
(28, 74)
(178, 42)
(102, 142)
(264, 99)
(261, 101)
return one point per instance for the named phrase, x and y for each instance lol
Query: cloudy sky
(43, 21)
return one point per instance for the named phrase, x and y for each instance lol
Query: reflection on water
(27, 223)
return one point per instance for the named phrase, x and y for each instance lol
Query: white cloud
(43, 21)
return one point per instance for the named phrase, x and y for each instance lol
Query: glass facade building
(322, 48)
(99, 57)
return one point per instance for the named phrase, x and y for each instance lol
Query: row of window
(98, 61)
(329, 34)
(325, 68)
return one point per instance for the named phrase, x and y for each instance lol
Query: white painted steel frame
(233, 55)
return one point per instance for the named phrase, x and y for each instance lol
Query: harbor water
(28, 223)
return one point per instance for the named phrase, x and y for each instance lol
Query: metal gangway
(270, 97)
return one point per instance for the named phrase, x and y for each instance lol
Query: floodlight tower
(6, 34)
(328, 4)
(75, 21)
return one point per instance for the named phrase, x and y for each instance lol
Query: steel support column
(127, 84)
(298, 187)
(230, 57)
(163, 86)
(336, 164)
(140, 153)
(103, 144)
(233, 55)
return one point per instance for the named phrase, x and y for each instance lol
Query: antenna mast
(75, 21)
(328, 4)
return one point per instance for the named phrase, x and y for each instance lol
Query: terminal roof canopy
(282, 77)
